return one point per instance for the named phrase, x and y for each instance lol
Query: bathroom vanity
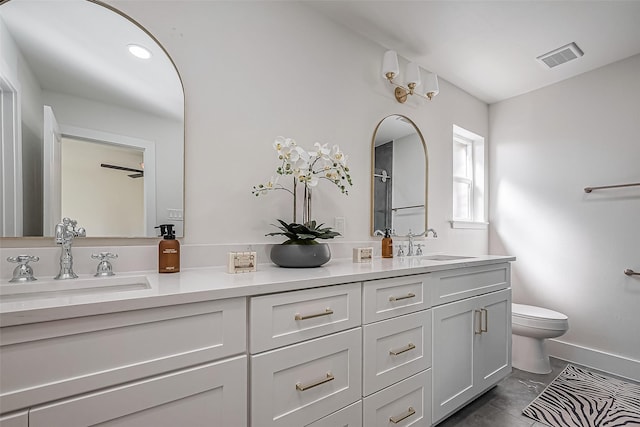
(401, 341)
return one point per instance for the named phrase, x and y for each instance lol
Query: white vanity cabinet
(159, 363)
(471, 335)
(394, 346)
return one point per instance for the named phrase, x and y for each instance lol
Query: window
(468, 180)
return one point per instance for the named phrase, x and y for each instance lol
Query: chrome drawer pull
(408, 347)
(301, 387)
(486, 320)
(399, 418)
(327, 312)
(409, 295)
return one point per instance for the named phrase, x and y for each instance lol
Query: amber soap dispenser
(387, 244)
(168, 250)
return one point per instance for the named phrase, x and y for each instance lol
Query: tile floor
(502, 405)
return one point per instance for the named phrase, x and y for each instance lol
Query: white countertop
(202, 284)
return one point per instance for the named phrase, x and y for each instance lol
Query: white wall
(572, 247)
(256, 70)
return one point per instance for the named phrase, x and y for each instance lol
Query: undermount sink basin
(72, 287)
(440, 257)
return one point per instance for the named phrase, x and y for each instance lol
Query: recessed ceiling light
(139, 51)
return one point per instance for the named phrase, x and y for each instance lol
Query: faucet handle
(23, 271)
(419, 249)
(104, 266)
(400, 250)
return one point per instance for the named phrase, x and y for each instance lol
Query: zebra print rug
(580, 398)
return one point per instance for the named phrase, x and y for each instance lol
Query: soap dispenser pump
(168, 250)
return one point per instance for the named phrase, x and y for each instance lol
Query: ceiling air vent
(561, 55)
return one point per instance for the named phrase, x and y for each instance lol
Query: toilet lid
(533, 312)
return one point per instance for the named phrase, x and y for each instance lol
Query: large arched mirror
(399, 163)
(89, 131)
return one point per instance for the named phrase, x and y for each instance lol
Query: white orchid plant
(306, 168)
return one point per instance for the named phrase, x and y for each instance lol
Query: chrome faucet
(410, 251)
(65, 232)
(411, 236)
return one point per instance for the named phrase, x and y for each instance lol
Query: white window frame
(475, 180)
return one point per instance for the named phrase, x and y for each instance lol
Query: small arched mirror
(400, 174)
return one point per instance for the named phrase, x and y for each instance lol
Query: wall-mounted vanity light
(391, 70)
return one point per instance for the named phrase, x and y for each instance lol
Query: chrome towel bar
(630, 272)
(604, 187)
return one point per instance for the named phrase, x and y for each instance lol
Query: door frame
(148, 149)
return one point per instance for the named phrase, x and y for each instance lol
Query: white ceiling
(489, 48)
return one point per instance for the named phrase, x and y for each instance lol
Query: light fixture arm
(402, 92)
(390, 71)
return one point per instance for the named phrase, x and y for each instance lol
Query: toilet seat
(538, 317)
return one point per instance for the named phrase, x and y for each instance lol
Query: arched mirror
(89, 131)
(400, 174)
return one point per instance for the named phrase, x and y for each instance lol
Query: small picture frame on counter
(362, 255)
(242, 262)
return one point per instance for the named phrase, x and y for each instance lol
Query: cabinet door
(18, 419)
(453, 355)
(493, 345)
(214, 394)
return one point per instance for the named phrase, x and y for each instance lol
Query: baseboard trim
(596, 359)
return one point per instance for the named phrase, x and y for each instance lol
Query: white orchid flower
(337, 156)
(322, 150)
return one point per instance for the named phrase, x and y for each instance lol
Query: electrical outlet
(339, 225)
(174, 215)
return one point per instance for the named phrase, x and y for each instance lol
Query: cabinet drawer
(301, 383)
(211, 394)
(386, 298)
(407, 403)
(453, 285)
(100, 351)
(395, 349)
(351, 416)
(286, 318)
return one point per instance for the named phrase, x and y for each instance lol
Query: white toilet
(531, 325)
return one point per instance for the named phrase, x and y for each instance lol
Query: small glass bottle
(387, 244)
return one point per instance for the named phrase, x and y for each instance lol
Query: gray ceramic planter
(300, 256)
